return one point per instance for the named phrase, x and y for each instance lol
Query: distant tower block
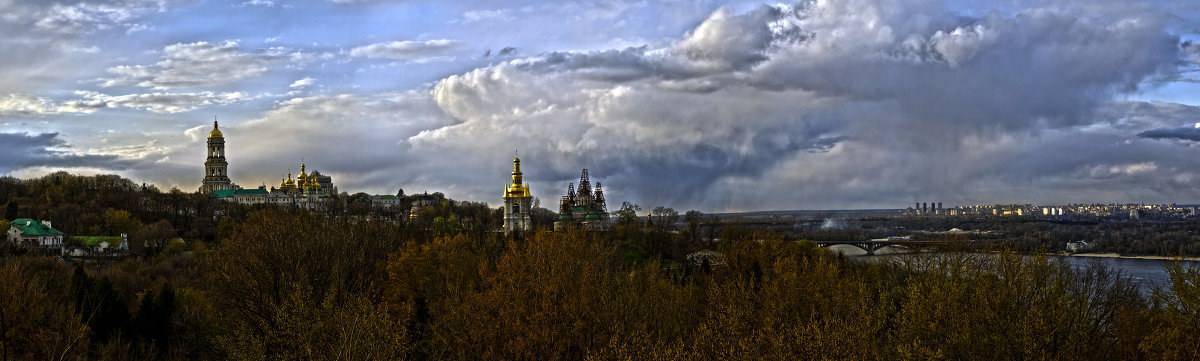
(917, 207)
(939, 206)
(925, 208)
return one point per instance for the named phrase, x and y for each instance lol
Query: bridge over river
(876, 244)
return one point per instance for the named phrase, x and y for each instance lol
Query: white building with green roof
(32, 234)
(100, 244)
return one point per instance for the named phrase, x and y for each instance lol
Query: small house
(34, 235)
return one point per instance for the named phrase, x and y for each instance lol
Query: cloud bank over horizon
(847, 104)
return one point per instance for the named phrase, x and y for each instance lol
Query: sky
(699, 104)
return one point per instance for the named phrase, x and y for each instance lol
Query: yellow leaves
(1176, 317)
(305, 327)
(30, 326)
(570, 296)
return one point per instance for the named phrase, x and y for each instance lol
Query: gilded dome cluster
(306, 182)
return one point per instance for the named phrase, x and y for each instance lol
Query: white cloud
(86, 17)
(475, 16)
(415, 51)
(158, 102)
(893, 100)
(25, 104)
(202, 64)
(1107, 171)
(303, 83)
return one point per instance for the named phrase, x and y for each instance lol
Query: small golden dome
(216, 133)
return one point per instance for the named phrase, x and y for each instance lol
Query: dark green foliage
(99, 305)
(153, 322)
(12, 211)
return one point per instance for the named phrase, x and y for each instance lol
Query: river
(1147, 273)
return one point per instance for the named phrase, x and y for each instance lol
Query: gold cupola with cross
(517, 201)
(516, 187)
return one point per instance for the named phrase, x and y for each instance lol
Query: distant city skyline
(711, 105)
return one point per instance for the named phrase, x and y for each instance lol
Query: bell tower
(517, 202)
(216, 170)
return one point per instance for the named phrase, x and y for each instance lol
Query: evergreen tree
(12, 211)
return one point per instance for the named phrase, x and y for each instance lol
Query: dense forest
(356, 283)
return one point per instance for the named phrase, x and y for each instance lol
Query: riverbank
(1118, 255)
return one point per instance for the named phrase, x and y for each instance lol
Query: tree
(119, 221)
(99, 304)
(712, 224)
(152, 237)
(1176, 316)
(32, 326)
(693, 219)
(12, 211)
(153, 320)
(664, 217)
(628, 214)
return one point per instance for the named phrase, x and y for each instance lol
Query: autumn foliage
(285, 285)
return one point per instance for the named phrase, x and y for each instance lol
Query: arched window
(516, 208)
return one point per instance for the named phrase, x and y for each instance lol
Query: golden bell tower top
(216, 133)
(516, 188)
(516, 174)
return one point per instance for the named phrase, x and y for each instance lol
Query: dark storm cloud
(47, 149)
(1182, 133)
(905, 97)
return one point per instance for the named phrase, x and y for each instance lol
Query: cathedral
(306, 183)
(517, 202)
(583, 208)
(306, 191)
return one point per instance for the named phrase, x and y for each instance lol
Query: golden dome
(216, 133)
(302, 178)
(516, 187)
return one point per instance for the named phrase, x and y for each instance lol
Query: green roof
(93, 241)
(221, 193)
(387, 196)
(255, 191)
(34, 228)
